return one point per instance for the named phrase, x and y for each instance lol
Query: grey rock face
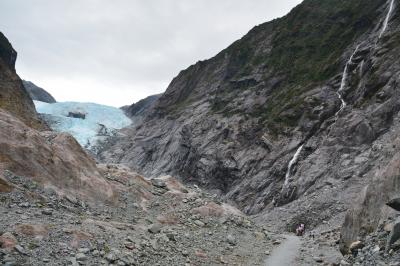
(13, 97)
(394, 234)
(37, 93)
(140, 109)
(220, 124)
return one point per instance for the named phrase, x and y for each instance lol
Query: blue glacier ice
(99, 121)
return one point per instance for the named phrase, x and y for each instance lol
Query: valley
(296, 123)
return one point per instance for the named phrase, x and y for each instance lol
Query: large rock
(394, 234)
(394, 203)
(38, 94)
(8, 241)
(370, 208)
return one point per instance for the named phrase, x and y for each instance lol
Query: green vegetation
(311, 39)
(306, 49)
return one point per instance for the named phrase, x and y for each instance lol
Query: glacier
(99, 122)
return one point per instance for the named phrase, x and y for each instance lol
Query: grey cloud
(132, 47)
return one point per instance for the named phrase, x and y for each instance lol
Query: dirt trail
(286, 253)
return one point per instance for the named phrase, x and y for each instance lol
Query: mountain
(13, 97)
(38, 94)
(292, 122)
(59, 207)
(140, 109)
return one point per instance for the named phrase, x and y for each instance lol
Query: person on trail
(300, 230)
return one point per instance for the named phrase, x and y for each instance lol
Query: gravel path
(286, 253)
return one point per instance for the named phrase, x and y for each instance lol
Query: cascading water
(386, 22)
(291, 164)
(343, 84)
(344, 81)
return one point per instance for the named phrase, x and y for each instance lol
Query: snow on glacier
(100, 121)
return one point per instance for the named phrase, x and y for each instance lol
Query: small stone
(113, 255)
(8, 241)
(47, 211)
(71, 199)
(344, 263)
(231, 240)
(84, 250)
(356, 245)
(200, 254)
(319, 259)
(20, 249)
(24, 205)
(73, 262)
(155, 228)
(129, 245)
(185, 253)
(81, 257)
(199, 223)
(158, 183)
(276, 242)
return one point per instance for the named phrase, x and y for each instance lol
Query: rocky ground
(159, 223)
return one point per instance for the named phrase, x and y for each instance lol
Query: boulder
(79, 115)
(394, 204)
(155, 228)
(5, 186)
(8, 241)
(356, 246)
(394, 234)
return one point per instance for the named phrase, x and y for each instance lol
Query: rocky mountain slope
(38, 94)
(159, 223)
(139, 110)
(291, 122)
(29, 149)
(59, 207)
(13, 96)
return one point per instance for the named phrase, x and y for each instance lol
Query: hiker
(300, 230)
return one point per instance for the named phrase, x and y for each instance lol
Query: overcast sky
(117, 52)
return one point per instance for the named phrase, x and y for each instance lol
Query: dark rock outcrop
(79, 115)
(140, 109)
(37, 93)
(394, 204)
(13, 96)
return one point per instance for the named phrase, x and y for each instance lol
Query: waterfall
(291, 164)
(344, 81)
(386, 22)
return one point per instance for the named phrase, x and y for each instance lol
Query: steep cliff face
(140, 109)
(323, 78)
(13, 96)
(38, 94)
